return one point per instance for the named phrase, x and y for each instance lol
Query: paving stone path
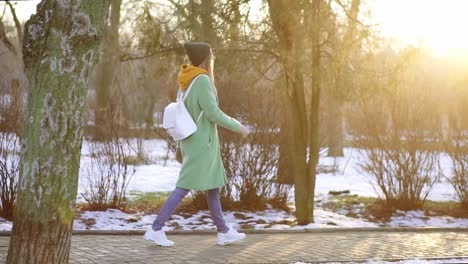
(269, 247)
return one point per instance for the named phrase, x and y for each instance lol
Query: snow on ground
(409, 261)
(5, 225)
(162, 175)
(417, 218)
(348, 177)
(159, 177)
(113, 219)
(269, 219)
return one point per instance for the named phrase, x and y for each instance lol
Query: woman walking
(202, 167)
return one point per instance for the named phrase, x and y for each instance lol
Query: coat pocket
(210, 141)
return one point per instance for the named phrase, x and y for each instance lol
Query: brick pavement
(269, 247)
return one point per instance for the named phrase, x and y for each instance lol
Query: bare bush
(10, 145)
(9, 172)
(252, 169)
(457, 146)
(399, 145)
(405, 177)
(251, 164)
(107, 170)
(108, 175)
(459, 174)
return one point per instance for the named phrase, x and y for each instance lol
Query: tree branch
(17, 24)
(272, 53)
(351, 17)
(5, 40)
(127, 57)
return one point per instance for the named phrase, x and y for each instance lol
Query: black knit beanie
(197, 52)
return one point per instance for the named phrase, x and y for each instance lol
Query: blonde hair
(208, 65)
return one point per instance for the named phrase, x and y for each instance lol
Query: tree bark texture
(59, 50)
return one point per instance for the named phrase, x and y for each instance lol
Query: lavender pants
(176, 197)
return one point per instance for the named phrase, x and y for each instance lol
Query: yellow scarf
(187, 73)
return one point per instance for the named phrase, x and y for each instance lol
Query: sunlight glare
(439, 25)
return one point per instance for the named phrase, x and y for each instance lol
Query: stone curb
(272, 231)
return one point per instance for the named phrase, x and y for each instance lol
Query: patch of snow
(333, 219)
(150, 178)
(348, 177)
(416, 218)
(5, 225)
(162, 174)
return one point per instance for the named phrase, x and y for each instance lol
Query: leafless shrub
(108, 175)
(10, 144)
(9, 172)
(457, 147)
(399, 146)
(459, 176)
(251, 164)
(107, 170)
(171, 144)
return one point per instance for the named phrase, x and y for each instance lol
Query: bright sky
(437, 25)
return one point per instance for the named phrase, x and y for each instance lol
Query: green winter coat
(202, 166)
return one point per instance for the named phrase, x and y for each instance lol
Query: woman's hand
(244, 131)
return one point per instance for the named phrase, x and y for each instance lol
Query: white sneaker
(231, 236)
(159, 237)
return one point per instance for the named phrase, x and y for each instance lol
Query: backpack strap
(199, 116)
(183, 96)
(190, 86)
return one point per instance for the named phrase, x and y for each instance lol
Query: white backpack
(177, 120)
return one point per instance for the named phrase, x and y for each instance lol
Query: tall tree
(105, 72)
(59, 50)
(314, 116)
(286, 21)
(337, 94)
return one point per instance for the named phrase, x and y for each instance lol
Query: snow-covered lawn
(157, 177)
(269, 219)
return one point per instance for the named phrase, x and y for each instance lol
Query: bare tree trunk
(335, 127)
(286, 18)
(105, 73)
(338, 95)
(314, 117)
(59, 51)
(284, 174)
